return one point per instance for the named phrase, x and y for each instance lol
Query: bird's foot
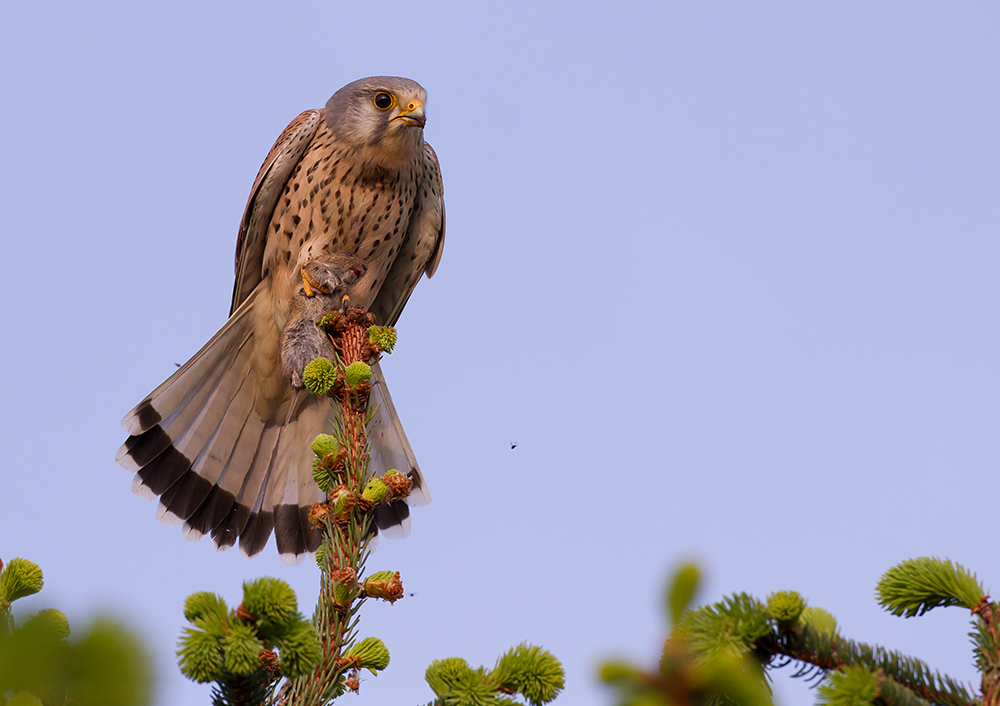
(309, 284)
(327, 274)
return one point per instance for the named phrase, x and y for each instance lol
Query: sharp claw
(308, 284)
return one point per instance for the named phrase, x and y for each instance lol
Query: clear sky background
(726, 272)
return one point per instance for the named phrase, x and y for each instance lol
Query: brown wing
(422, 247)
(281, 160)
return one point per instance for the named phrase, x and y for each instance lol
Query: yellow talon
(308, 284)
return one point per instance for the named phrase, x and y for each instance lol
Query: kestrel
(224, 442)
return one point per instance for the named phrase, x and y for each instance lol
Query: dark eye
(384, 101)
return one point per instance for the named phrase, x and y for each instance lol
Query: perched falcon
(224, 442)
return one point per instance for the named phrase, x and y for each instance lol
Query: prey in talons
(326, 283)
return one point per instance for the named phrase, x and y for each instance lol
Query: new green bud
(325, 444)
(241, 649)
(819, 620)
(342, 500)
(319, 376)
(443, 675)
(199, 657)
(328, 319)
(321, 475)
(532, 671)
(51, 621)
(345, 585)
(383, 336)
(20, 578)
(322, 551)
(375, 491)
(619, 672)
(372, 654)
(357, 373)
(269, 599)
(785, 607)
(204, 604)
(300, 650)
(385, 585)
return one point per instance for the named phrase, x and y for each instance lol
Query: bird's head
(380, 113)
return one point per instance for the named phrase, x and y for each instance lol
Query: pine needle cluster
(786, 631)
(246, 649)
(526, 670)
(39, 664)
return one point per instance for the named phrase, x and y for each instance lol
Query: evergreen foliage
(852, 686)
(235, 649)
(526, 670)
(319, 376)
(720, 672)
(382, 336)
(785, 606)
(321, 660)
(918, 585)
(20, 578)
(732, 626)
(787, 631)
(105, 665)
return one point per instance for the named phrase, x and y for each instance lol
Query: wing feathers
(199, 442)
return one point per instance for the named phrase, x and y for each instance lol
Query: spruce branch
(719, 672)
(986, 639)
(18, 579)
(829, 651)
(527, 670)
(246, 650)
(353, 490)
(741, 626)
(918, 585)
(105, 664)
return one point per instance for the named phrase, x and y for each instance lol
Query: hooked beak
(412, 114)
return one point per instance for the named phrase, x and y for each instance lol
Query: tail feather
(221, 497)
(200, 443)
(291, 490)
(198, 425)
(174, 393)
(243, 520)
(390, 448)
(393, 520)
(185, 497)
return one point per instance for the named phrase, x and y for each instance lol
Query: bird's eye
(384, 101)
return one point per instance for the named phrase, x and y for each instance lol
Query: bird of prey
(224, 442)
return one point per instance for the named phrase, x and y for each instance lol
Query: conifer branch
(346, 518)
(831, 652)
(918, 585)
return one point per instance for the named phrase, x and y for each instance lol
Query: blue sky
(726, 273)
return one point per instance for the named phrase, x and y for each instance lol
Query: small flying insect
(513, 444)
